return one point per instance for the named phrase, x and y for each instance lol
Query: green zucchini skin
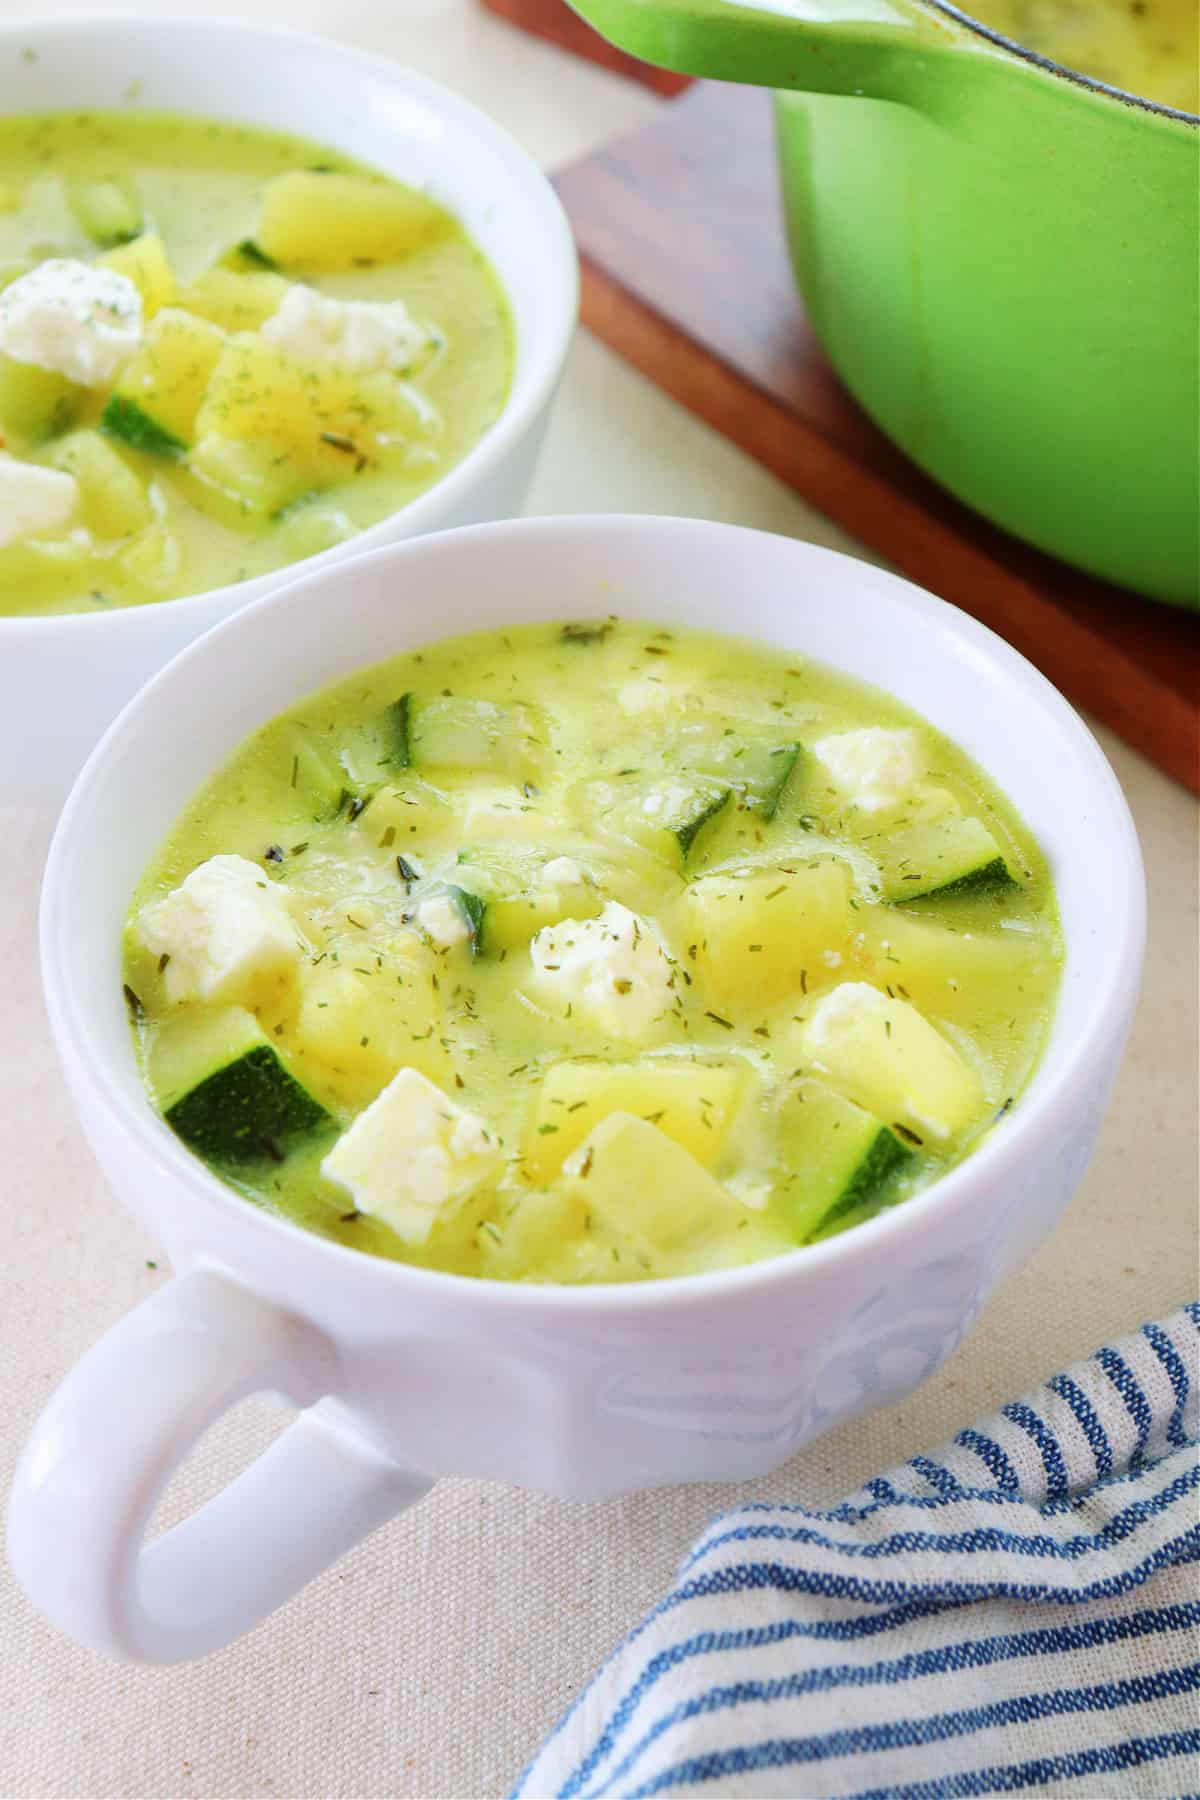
(246, 1111)
(124, 420)
(396, 727)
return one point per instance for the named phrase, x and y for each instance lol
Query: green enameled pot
(1001, 258)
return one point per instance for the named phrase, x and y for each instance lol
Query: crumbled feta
(226, 932)
(411, 1153)
(33, 499)
(80, 321)
(612, 968)
(363, 335)
(874, 768)
(564, 871)
(442, 921)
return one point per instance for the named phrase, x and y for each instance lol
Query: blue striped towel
(1015, 1614)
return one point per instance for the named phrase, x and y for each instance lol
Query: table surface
(432, 1660)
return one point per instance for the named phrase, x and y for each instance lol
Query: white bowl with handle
(408, 1374)
(63, 678)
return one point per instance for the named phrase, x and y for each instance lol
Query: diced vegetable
(647, 1188)
(664, 814)
(160, 389)
(966, 975)
(36, 404)
(884, 1055)
(146, 264)
(249, 255)
(758, 769)
(452, 733)
(235, 302)
(948, 856)
(450, 914)
(130, 424)
(520, 897)
(151, 561)
(225, 1090)
(836, 1157)
(109, 210)
(243, 482)
(694, 1103)
(115, 501)
(359, 1028)
(754, 939)
(319, 775)
(324, 421)
(316, 220)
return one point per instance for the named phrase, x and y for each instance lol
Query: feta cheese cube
(411, 1154)
(883, 1054)
(226, 931)
(363, 335)
(612, 969)
(33, 499)
(874, 768)
(442, 921)
(83, 322)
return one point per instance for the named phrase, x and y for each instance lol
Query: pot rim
(1125, 95)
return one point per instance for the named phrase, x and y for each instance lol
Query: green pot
(1001, 258)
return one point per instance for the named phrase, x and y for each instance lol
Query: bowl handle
(121, 1424)
(816, 46)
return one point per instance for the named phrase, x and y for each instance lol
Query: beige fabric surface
(431, 1662)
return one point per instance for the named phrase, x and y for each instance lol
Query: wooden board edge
(1075, 656)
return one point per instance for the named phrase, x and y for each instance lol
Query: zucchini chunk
(36, 404)
(160, 390)
(115, 501)
(130, 424)
(839, 1157)
(450, 915)
(319, 775)
(226, 1092)
(250, 255)
(450, 733)
(664, 814)
(947, 856)
(757, 770)
(110, 211)
(518, 897)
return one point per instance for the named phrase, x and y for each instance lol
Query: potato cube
(317, 221)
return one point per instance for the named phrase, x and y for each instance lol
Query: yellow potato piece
(692, 1103)
(330, 221)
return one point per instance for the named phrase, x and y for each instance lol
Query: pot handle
(816, 46)
(121, 1424)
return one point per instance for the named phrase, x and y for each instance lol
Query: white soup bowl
(408, 1374)
(64, 678)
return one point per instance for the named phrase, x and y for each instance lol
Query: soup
(591, 952)
(221, 350)
(1146, 47)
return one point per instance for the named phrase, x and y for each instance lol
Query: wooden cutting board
(685, 273)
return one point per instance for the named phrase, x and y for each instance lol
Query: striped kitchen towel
(1017, 1614)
